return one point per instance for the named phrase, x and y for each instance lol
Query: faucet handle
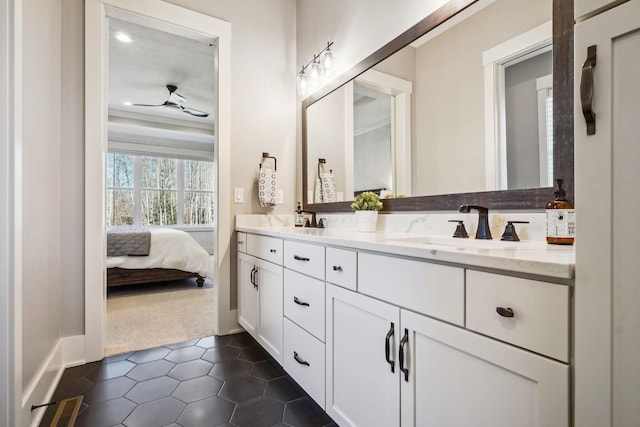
(510, 234)
(460, 230)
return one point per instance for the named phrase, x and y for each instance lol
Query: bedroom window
(144, 190)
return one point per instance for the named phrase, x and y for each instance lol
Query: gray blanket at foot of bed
(132, 241)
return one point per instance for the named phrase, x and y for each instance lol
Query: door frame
(180, 21)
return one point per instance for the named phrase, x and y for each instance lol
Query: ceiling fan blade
(194, 112)
(176, 98)
(148, 105)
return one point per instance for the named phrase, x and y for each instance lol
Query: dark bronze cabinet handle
(387, 348)
(252, 278)
(273, 251)
(403, 342)
(297, 301)
(300, 258)
(586, 90)
(337, 268)
(504, 312)
(299, 360)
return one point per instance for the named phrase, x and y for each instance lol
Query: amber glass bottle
(561, 218)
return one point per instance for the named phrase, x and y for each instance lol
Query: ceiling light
(123, 37)
(128, 103)
(320, 68)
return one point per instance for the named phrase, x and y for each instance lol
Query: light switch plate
(238, 195)
(279, 196)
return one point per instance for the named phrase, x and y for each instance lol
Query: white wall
(41, 172)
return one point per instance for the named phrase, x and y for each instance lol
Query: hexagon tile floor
(213, 381)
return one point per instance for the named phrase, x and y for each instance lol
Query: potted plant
(366, 206)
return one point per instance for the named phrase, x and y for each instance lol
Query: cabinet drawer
(242, 242)
(540, 319)
(431, 289)
(304, 360)
(305, 258)
(342, 267)
(267, 248)
(304, 302)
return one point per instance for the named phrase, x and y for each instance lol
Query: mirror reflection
(466, 108)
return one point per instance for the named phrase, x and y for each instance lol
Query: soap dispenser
(299, 221)
(561, 218)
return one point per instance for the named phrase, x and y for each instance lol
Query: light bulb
(327, 59)
(314, 73)
(303, 83)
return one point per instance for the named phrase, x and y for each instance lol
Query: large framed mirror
(473, 104)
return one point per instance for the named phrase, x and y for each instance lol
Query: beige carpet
(146, 316)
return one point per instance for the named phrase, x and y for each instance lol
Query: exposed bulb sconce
(320, 67)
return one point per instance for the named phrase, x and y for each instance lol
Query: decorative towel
(325, 191)
(267, 187)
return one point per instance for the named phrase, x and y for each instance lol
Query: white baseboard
(235, 327)
(68, 351)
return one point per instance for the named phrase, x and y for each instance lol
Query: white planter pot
(366, 221)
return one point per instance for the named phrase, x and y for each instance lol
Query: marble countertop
(524, 257)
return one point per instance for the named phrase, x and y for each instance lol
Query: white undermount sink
(470, 243)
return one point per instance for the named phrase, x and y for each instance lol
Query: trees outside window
(143, 190)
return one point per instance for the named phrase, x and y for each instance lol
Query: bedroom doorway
(160, 187)
(160, 150)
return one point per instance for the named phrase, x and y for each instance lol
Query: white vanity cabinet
(607, 319)
(260, 290)
(379, 339)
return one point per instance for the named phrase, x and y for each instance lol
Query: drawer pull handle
(299, 359)
(273, 251)
(337, 268)
(240, 242)
(504, 312)
(300, 258)
(387, 348)
(297, 301)
(403, 342)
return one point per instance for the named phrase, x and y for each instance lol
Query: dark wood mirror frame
(535, 198)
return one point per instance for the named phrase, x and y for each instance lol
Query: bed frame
(125, 276)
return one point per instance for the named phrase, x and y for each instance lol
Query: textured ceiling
(140, 71)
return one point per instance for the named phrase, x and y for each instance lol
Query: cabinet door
(607, 319)
(247, 295)
(270, 314)
(362, 386)
(458, 378)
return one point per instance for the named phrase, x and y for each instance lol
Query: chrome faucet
(483, 231)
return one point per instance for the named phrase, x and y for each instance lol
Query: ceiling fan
(175, 101)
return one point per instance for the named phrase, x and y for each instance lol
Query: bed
(146, 255)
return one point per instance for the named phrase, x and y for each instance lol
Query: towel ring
(320, 163)
(267, 156)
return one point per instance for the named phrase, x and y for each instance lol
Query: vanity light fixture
(319, 68)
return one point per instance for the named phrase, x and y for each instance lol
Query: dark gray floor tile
(242, 340)
(267, 370)
(215, 341)
(148, 355)
(106, 414)
(197, 389)
(110, 370)
(71, 386)
(305, 412)
(116, 357)
(284, 389)
(253, 354)
(80, 371)
(220, 354)
(159, 412)
(263, 412)
(148, 370)
(182, 344)
(213, 411)
(185, 354)
(156, 388)
(108, 389)
(230, 369)
(191, 369)
(242, 389)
